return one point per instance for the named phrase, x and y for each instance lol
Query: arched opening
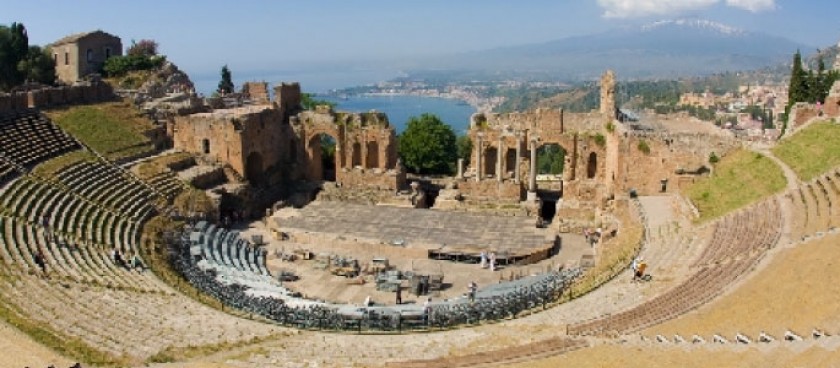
(356, 159)
(490, 157)
(510, 161)
(89, 55)
(592, 165)
(372, 159)
(205, 146)
(551, 159)
(254, 167)
(321, 152)
(551, 162)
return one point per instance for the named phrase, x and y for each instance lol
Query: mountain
(668, 48)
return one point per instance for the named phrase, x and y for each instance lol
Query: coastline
(477, 103)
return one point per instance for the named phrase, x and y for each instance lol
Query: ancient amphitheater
(753, 287)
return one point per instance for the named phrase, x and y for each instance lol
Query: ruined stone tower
(608, 93)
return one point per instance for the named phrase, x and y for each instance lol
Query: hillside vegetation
(115, 129)
(811, 151)
(739, 179)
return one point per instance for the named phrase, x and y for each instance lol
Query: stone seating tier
(28, 138)
(738, 242)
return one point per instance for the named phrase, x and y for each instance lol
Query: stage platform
(453, 236)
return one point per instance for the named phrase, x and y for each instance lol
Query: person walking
(399, 294)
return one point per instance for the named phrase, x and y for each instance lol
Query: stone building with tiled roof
(84, 53)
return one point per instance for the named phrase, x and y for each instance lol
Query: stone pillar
(517, 169)
(532, 176)
(460, 168)
(499, 156)
(478, 154)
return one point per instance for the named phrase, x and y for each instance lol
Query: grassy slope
(50, 168)
(113, 129)
(811, 151)
(740, 178)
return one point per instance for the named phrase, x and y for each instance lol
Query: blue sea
(400, 108)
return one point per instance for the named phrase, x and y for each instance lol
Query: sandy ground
(629, 356)
(799, 290)
(19, 350)
(321, 284)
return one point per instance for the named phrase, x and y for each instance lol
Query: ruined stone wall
(287, 98)
(365, 146)
(56, 96)
(680, 158)
(257, 92)
(248, 139)
(800, 114)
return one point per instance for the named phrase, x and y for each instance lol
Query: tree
(427, 146)
(226, 84)
(308, 102)
(798, 88)
(146, 48)
(14, 47)
(38, 66)
(465, 147)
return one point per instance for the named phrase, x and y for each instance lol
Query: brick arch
(315, 167)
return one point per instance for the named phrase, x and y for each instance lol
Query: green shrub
(643, 147)
(713, 158)
(118, 66)
(600, 140)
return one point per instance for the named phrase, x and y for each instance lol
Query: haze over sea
(399, 108)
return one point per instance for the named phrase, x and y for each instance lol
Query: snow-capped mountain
(661, 49)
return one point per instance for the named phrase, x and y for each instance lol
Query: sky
(261, 35)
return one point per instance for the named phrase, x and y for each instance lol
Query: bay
(400, 108)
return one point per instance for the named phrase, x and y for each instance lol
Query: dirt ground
(322, 285)
(630, 356)
(780, 296)
(19, 350)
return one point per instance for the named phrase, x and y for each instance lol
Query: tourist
(41, 261)
(136, 262)
(471, 289)
(483, 259)
(368, 301)
(118, 258)
(399, 295)
(636, 267)
(492, 261)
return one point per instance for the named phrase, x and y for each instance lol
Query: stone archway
(356, 158)
(321, 152)
(592, 165)
(490, 158)
(254, 167)
(510, 161)
(372, 159)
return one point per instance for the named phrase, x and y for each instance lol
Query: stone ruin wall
(257, 92)
(575, 133)
(233, 136)
(56, 96)
(365, 152)
(669, 154)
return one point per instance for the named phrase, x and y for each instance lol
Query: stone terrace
(453, 231)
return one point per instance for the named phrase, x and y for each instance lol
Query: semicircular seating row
(738, 242)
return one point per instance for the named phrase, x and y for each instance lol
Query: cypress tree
(798, 88)
(226, 84)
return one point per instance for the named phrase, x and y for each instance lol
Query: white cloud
(753, 5)
(642, 8)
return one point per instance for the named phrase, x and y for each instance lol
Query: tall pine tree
(226, 84)
(798, 88)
